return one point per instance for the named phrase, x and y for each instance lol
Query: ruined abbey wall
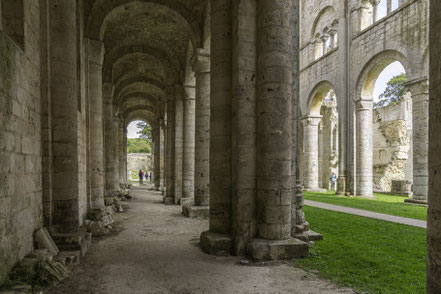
(20, 141)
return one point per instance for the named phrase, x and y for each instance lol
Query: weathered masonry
(343, 50)
(236, 92)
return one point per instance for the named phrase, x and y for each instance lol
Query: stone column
(310, 152)
(156, 155)
(162, 126)
(434, 210)
(121, 148)
(217, 240)
(189, 141)
(170, 174)
(96, 124)
(364, 149)
(201, 66)
(110, 141)
(179, 141)
(63, 73)
(343, 99)
(375, 9)
(276, 26)
(420, 132)
(324, 39)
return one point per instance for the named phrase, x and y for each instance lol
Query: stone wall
(137, 161)
(392, 135)
(20, 142)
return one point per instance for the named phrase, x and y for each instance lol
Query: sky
(132, 130)
(394, 69)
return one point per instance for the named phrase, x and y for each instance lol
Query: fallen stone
(44, 240)
(50, 272)
(98, 229)
(69, 258)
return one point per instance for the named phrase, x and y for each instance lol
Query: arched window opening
(380, 9)
(395, 4)
(366, 14)
(12, 20)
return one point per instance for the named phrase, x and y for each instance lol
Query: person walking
(333, 180)
(141, 177)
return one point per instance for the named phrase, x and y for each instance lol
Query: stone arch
(317, 95)
(327, 13)
(122, 84)
(374, 67)
(425, 63)
(172, 69)
(206, 33)
(190, 78)
(102, 9)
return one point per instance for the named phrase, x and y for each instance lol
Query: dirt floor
(154, 249)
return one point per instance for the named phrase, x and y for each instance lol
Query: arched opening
(320, 136)
(139, 152)
(384, 127)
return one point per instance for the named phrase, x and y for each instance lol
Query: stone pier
(364, 149)
(311, 153)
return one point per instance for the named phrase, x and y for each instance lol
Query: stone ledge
(260, 249)
(202, 212)
(216, 244)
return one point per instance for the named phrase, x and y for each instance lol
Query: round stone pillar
(179, 141)
(420, 129)
(311, 152)
(156, 155)
(162, 126)
(201, 66)
(364, 149)
(110, 141)
(189, 142)
(170, 174)
(96, 124)
(121, 147)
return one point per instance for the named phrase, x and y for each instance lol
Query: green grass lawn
(388, 204)
(368, 255)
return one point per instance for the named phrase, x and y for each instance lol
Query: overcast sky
(132, 130)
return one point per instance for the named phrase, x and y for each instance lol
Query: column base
(202, 212)
(80, 240)
(168, 200)
(317, 190)
(415, 201)
(261, 249)
(365, 196)
(216, 244)
(308, 236)
(187, 201)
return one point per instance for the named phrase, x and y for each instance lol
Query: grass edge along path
(370, 256)
(386, 204)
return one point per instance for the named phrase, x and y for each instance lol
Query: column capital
(418, 86)
(201, 61)
(311, 120)
(375, 2)
(364, 104)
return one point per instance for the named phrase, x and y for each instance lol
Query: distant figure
(150, 174)
(333, 179)
(146, 177)
(141, 177)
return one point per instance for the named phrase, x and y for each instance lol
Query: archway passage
(320, 140)
(139, 153)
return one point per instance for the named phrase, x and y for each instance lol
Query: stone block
(69, 258)
(45, 240)
(201, 212)
(168, 200)
(308, 236)
(80, 240)
(216, 244)
(261, 249)
(187, 201)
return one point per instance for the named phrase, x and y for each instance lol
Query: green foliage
(371, 256)
(145, 132)
(394, 92)
(387, 204)
(138, 145)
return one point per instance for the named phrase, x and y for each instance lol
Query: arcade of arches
(249, 101)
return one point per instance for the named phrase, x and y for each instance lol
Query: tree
(394, 92)
(138, 145)
(145, 131)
